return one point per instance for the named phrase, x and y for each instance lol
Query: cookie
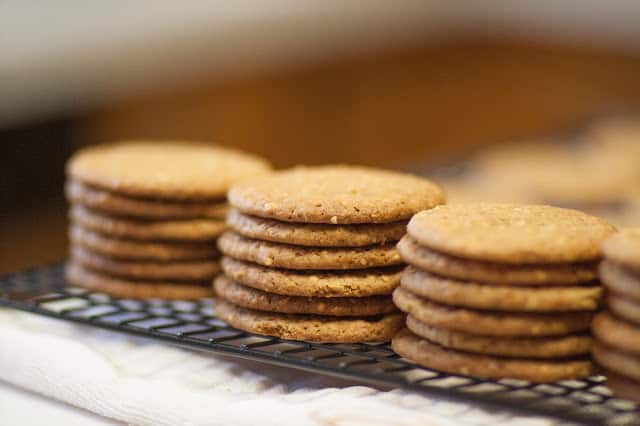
(336, 194)
(511, 233)
(430, 355)
(624, 248)
(500, 297)
(617, 361)
(520, 347)
(313, 328)
(354, 283)
(79, 276)
(166, 230)
(115, 204)
(142, 250)
(495, 273)
(490, 323)
(619, 280)
(616, 333)
(298, 257)
(199, 270)
(623, 387)
(624, 308)
(251, 298)
(315, 235)
(166, 170)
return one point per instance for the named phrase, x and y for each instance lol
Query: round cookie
(519, 347)
(495, 273)
(336, 194)
(500, 297)
(316, 234)
(624, 248)
(511, 233)
(354, 283)
(166, 230)
(616, 334)
(142, 250)
(199, 270)
(312, 328)
(78, 276)
(258, 300)
(617, 361)
(619, 280)
(623, 387)
(298, 257)
(624, 308)
(116, 204)
(167, 170)
(430, 355)
(490, 323)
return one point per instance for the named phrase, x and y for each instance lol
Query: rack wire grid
(193, 324)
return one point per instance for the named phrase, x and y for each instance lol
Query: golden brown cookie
(164, 230)
(198, 270)
(495, 273)
(501, 297)
(620, 280)
(167, 170)
(490, 323)
(616, 360)
(336, 194)
(142, 250)
(624, 308)
(116, 204)
(313, 328)
(430, 355)
(298, 257)
(624, 248)
(79, 276)
(616, 333)
(623, 387)
(511, 233)
(520, 347)
(251, 298)
(353, 283)
(315, 234)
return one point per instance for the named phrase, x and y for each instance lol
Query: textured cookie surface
(298, 257)
(170, 170)
(116, 204)
(620, 280)
(198, 270)
(336, 195)
(624, 308)
(623, 387)
(618, 361)
(316, 234)
(431, 355)
(522, 347)
(180, 230)
(510, 233)
(616, 333)
(354, 283)
(501, 297)
(313, 328)
(624, 247)
(490, 323)
(79, 276)
(130, 249)
(496, 273)
(259, 300)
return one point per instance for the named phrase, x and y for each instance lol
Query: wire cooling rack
(194, 325)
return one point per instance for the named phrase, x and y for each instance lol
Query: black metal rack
(194, 325)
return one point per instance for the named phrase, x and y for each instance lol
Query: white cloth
(142, 382)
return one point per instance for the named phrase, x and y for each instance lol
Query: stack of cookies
(145, 216)
(501, 291)
(311, 252)
(617, 330)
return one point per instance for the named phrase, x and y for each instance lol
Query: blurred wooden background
(402, 109)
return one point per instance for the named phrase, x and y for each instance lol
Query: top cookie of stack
(501, 290)
(311, 255)
(145, 215)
